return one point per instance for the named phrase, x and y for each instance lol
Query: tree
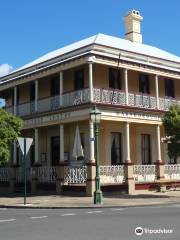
(171, 123)
(9, 130)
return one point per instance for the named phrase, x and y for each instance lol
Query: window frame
(79, 79)
(144, 148)
(169, 88)
(114, 149)
(115, 79)
(144, 84)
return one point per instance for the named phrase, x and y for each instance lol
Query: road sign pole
(25, 144)
(25, 172)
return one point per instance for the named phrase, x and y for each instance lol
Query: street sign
(22, 142)
(25, 144)
(92, 139)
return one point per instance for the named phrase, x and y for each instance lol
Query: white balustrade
(46, 174)
(75, 175)
(172, 171)
(112, 174)
(76, 97)
(4, 174)
(144, 173)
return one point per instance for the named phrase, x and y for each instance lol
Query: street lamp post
(95, 117)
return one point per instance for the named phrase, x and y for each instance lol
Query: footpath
(120, 200)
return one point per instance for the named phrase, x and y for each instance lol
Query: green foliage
(9, 130)
(171, 123)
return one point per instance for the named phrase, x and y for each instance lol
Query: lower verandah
(47, 153)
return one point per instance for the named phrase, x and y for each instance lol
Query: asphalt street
(156, 222)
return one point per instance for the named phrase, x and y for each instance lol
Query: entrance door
(55, 151)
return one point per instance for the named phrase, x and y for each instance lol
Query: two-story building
(131, 83)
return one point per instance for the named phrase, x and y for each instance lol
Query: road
(90, 224)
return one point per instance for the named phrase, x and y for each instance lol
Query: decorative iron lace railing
(172, 171)
(109, 96)
(76, 97)
(4, 174)
(165, 103)
(25, 109)
(75, 175)
(112, 174)
(19, 174)
(46, 174)
(144, 173)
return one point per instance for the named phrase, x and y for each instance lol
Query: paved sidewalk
(121, 200)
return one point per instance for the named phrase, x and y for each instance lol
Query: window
(145, 149)
(79, 79)
(169, 88)
(114, 78)
(54, 86)
(55, 150)
(144, 83)
(116, 152)
(32, 92)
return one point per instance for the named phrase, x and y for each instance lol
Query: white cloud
(5, 69)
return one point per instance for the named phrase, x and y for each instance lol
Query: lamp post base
(98, 197)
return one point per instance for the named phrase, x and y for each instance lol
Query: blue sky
(32, 28)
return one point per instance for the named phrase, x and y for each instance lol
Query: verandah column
(62, 164)
(90, 64)
(159, 162)
(36, 95)
(61, 143)
(157, 90)
(128, 164)
(36, 141)
(91, 165)
(61, 88)
(126, 86)
(15, 100)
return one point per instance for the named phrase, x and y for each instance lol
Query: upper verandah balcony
(93, 83)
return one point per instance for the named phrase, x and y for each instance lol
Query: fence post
(60, 177)
(129, 178)
(90, 182)
(160, 174)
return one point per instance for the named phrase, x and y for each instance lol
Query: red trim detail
(91, 163)
(158, 162)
